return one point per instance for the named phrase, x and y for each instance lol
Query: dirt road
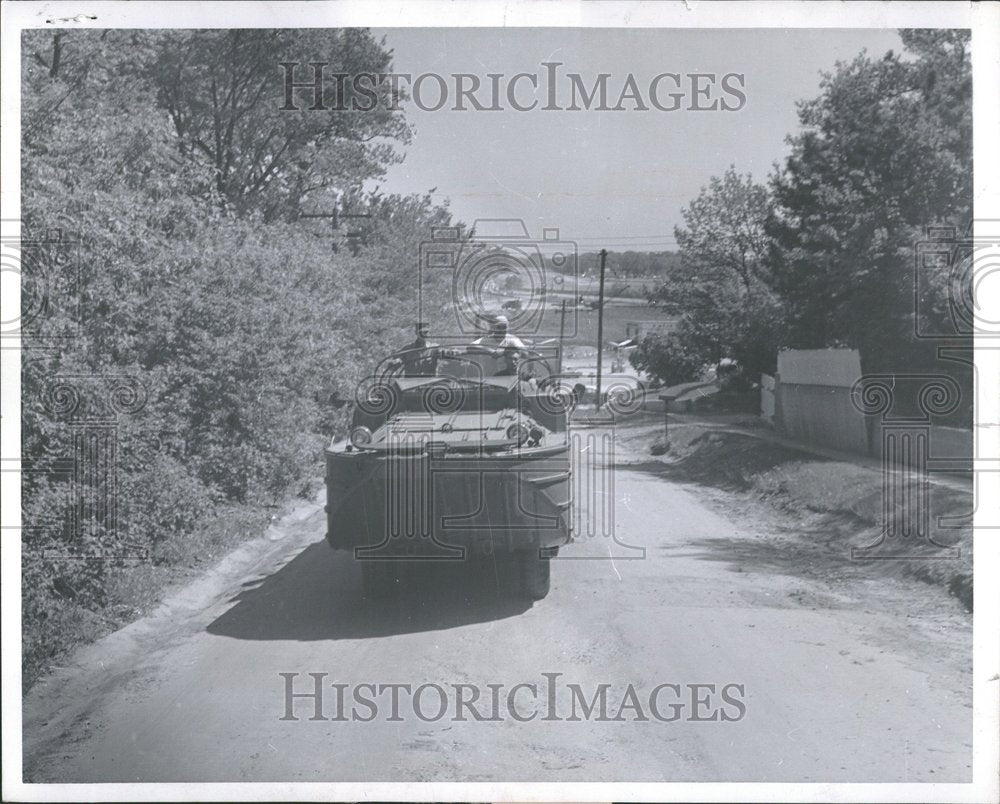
(812, 682)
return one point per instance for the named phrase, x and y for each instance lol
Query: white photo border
(984, 21)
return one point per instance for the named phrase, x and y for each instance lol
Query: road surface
(862, 683)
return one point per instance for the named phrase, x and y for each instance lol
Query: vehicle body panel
(452, 464)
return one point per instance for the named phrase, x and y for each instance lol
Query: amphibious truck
(454, 451)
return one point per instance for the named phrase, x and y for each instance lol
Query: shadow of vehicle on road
(317, 596)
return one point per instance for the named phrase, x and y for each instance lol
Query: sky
(615, 179)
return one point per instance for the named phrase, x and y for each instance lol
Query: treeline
(199, 315)
(823, 253)
(623, 264)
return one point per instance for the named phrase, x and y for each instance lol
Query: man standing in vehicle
(499, 337)
(415, 357)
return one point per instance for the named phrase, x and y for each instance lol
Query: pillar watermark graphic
(905, 447)
(84, 413)
(954, 272)
(455, 466)
(89, 409)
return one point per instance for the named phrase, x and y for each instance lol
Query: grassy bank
(133, 588)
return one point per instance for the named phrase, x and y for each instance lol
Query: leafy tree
(720, 289)
(225, 93)
(210, 101)
(668, 358)
(724, 237)
(885, 151)
(237, 321)
(826, 257)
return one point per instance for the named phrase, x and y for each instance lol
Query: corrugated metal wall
(813, 404)
(813, 398)
(767, 398)
(821, 414)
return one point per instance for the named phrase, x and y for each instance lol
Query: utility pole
(335, 217)
(600, 327)
(334, 223)
(562, 331)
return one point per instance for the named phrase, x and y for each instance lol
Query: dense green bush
(665, 357)
(228, 319)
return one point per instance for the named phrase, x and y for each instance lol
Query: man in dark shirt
(510, 363)
(415, 357)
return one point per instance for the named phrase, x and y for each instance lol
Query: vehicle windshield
(472, 365)
(456, 398)
(467, 367)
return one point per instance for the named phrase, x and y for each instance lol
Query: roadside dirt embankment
(823, 507)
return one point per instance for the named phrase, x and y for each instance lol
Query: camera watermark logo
(905, 439)
(47, 270)
(498, 272)
(955, 273)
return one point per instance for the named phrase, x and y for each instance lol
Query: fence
(767, 399)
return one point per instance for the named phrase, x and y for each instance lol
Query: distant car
(512, 305)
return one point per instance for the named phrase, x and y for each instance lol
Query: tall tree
(720, 288)
(885, 151)
(225, 94)
(724, 236)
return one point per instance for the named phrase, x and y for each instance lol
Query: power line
(587, 242)
(627, 243)
(591, 248)
(631, 237)
(623, 242)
